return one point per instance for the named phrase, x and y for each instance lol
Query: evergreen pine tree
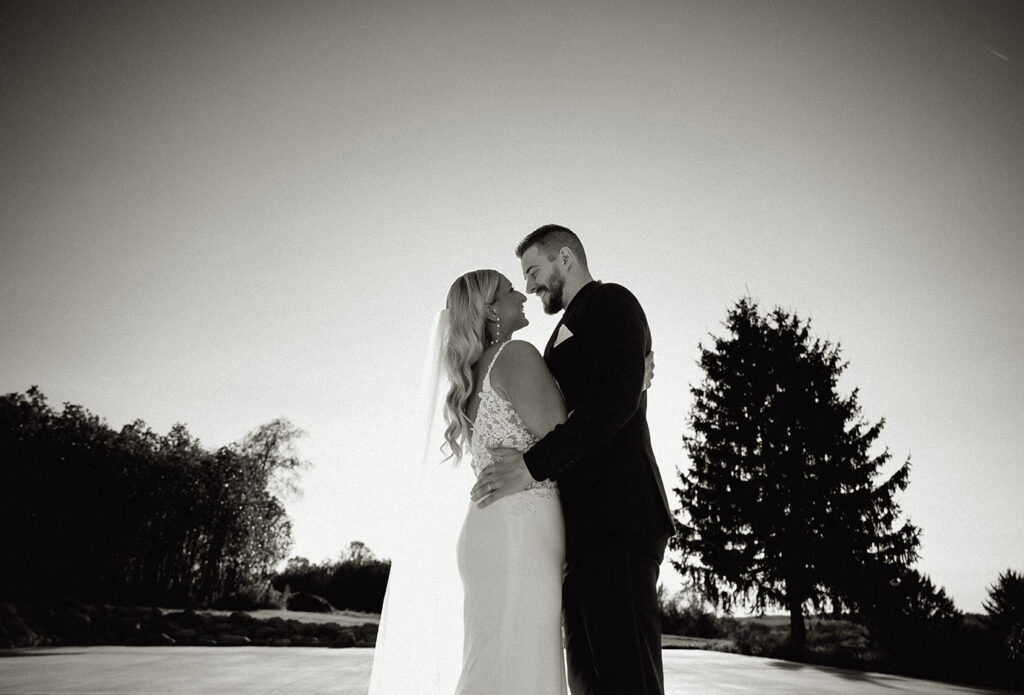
(782, 505)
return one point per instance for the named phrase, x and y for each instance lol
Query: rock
(343, 640)
(232, 640)
(305, 641)
(240, 618)
(366, 635)
(185, 620)
(157, 639)
(73, 625)
(80, 621)
(128, 627)
(184, 635)
(328, 630)
(304, 628)
(265, 631)
(218, 627)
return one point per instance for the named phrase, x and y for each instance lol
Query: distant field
(347, 617)
(677, 642)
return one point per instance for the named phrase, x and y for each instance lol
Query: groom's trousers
(613, 623)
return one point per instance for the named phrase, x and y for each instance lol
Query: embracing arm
(613, 387)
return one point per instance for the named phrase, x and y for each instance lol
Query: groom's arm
(611, 389)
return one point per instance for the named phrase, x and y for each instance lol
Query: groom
(617, 519)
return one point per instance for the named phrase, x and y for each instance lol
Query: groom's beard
(552, 297)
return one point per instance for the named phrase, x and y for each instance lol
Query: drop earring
(497, 330)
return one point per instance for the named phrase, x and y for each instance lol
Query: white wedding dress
(502, 634)
(511, 558)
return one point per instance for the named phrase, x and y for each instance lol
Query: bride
(509, 555)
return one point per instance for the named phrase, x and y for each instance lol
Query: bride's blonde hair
(467, 303)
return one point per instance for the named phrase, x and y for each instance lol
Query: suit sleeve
(611, 388)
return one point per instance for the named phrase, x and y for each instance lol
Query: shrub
(757, 639)
(252, 597)
(309, 603)
(684, 615)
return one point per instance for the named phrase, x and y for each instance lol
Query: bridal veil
(419, 642)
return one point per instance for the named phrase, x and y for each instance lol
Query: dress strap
(487, 376)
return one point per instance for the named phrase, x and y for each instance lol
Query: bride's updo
(468, 298)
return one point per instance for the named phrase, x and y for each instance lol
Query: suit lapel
(551, 340)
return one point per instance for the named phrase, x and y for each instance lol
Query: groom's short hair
(551, 238)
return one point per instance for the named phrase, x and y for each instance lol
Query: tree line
(131, 517)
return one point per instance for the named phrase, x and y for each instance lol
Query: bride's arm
(521, 376)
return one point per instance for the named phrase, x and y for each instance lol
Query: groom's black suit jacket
(601, 456)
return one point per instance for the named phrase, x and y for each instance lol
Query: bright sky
(222, 213)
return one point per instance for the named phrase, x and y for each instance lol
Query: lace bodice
(499, 425)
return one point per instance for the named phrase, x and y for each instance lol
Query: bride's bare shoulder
(518, 364)
(520, 354)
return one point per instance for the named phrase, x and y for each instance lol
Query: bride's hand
(506, 476)
(648, 370)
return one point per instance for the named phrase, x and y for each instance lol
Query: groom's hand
(506, 476)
